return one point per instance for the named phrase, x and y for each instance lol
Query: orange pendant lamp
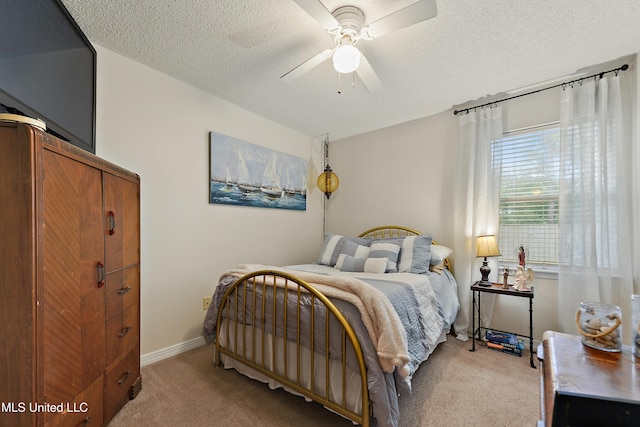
(327, 181)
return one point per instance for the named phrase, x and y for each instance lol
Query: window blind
(530, 162)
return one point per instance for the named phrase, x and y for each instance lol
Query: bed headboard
(387, 231)
(390, 231)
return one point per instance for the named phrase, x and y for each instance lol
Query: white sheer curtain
(595, 243)
(476, 206)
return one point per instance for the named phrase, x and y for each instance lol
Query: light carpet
(454, 387)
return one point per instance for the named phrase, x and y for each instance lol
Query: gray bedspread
(446, 289)
(423, 317)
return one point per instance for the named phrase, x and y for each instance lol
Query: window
(528, 215)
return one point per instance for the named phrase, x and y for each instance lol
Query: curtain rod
(615, 70)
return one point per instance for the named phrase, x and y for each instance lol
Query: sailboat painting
(246, 174)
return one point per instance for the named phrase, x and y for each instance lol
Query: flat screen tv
(48, 69)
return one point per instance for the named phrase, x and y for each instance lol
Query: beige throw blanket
(378, 315)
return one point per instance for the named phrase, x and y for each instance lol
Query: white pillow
(439, 254)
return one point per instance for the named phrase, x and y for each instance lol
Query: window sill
(541, 271)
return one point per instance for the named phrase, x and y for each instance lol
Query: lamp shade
(328, 182)
(487, 246)
(346, 59)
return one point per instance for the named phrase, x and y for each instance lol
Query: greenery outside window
(529, 194)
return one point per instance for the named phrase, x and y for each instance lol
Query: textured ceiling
(237, 50)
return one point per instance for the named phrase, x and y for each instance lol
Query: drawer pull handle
(124, 290)
(111, 217)
(124, 377)
(86, 421)
(124, 332)
(100, 271)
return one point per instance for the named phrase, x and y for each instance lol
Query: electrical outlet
(205, 302)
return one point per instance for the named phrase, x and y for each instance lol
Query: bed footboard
(270, 315)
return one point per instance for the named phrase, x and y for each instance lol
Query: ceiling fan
(347, 26)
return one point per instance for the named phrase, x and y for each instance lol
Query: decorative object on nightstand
(522, 256)
(486, 247)
(327, 181)
(505, 278)
(524, 279)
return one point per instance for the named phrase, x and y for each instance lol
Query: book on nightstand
(501, 337)
(515, 350)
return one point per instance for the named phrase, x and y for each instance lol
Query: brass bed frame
(239, 298)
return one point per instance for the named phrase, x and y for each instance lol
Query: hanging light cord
(324, 199)
(326, 152)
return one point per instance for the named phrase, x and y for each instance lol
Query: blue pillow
(385, 248)
(415, 254)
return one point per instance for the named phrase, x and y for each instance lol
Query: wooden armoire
(69, 282)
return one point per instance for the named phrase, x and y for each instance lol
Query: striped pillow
(415, 254)
(334, 245)
(331, 248)
(355, 250)
(386, 249)
(366, 265)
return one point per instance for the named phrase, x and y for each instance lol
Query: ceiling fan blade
(307, 66)
(368, 76)
(318, 12)
(410, 15)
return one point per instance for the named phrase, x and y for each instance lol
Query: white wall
(400, 175)
(159, 127)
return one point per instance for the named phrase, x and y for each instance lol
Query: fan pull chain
(353, 82)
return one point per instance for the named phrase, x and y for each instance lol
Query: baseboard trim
(163, 353)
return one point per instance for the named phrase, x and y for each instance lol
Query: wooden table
(496, 288)
(583, 386)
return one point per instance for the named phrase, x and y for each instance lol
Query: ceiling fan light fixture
(346, 59)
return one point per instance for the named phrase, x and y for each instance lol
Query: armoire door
(121, 205)
(74, 293)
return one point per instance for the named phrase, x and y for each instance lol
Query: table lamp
(487, 247)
